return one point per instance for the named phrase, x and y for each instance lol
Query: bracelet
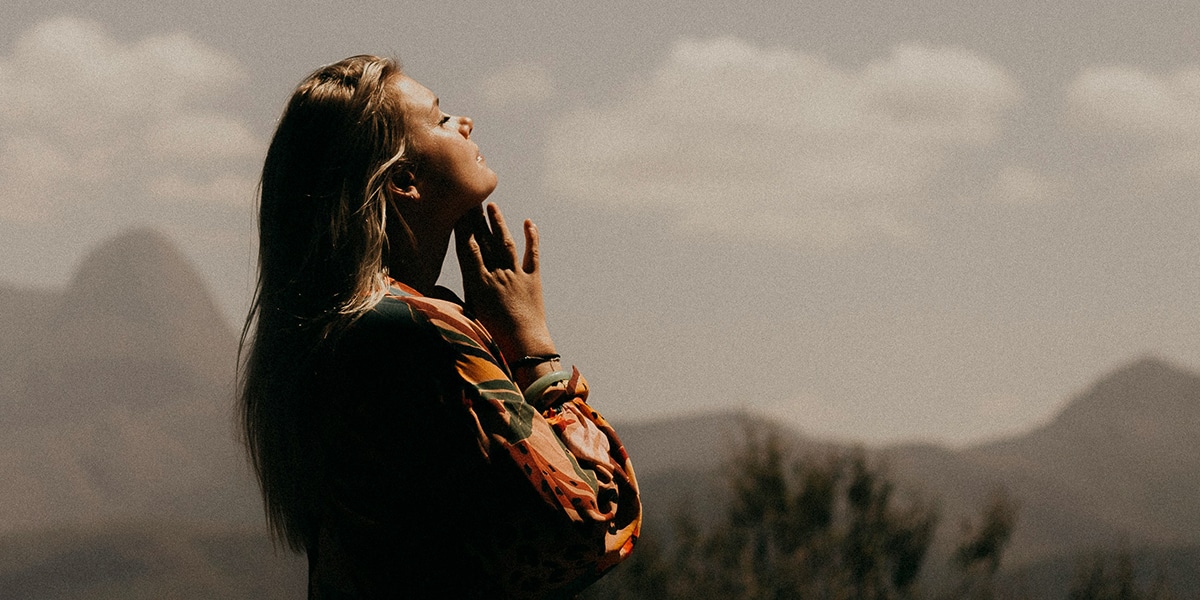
(543, 383)
(533, 361)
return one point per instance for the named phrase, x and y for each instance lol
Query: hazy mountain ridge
(135, 326)
(1131, 439)
(118, 396)
(23, 313)
(1118, 464)
(147, 560)
(118, 405)
(1050, 578)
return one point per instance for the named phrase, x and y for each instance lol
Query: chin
(488, 189)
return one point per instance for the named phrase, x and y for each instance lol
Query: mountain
(1133, 439)
(1175, 567)
(118, 450)
(118, 396)
(23, 315)
(136, 325)
(130, 561)
(682, 463)
(1120, 464)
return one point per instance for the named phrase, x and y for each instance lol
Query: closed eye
(445, 119)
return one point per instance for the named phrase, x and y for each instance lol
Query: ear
(401, 186)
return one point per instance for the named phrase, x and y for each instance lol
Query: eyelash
(445, 118)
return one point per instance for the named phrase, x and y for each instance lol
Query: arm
(435, 450)
(505, 296)
(567, 451)
(582, 509)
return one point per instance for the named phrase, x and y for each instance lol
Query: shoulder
(403, 309)
(398, 343)
(405, 322)
(443, 314)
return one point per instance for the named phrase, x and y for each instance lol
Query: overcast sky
(876, 221)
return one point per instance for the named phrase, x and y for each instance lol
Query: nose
(466, 124)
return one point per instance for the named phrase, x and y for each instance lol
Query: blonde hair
(323, 223)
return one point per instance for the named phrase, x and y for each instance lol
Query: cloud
(202, 137)
(1132, 102)
(518, 84)
(733, 139)
(88, 117)
(1160, 114)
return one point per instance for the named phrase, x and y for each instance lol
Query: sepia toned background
(880, 223)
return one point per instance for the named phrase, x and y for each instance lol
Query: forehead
(415, 95)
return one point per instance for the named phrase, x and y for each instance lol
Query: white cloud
(104, 115)
(202, 137)
(518, 84)
(947, 94)
(1160, 113)
(734, 139)
(1133, 102)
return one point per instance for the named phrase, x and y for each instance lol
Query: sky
(883, 222)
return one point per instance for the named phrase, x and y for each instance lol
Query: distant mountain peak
(136, 327)
(141, 275)
(1147, 365)
(1149, 387)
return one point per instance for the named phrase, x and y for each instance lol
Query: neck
(420, 269)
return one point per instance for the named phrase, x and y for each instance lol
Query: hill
(135, 327)
(1051, 578)
(118, 396)
(1118, 465)
(133, 561)
(23, 315)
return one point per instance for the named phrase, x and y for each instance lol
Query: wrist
(533, 343)
(531, 367)
(533, 360)
(533, 393)
(518, 344)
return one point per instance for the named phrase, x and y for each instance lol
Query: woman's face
(451, 172)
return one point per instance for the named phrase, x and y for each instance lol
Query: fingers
(475, 223)
(499, 229)
(473, 219)
(531, 247)
(466, 246)
(484, 243)
(469, 254)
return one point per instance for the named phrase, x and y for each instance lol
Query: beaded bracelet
(543, 383)
(533, 361)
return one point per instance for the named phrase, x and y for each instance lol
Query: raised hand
(505, 294)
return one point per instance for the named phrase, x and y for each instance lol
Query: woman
(410, 446)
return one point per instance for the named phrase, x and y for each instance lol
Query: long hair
(323, 211)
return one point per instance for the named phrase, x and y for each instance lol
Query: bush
(831, 528)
